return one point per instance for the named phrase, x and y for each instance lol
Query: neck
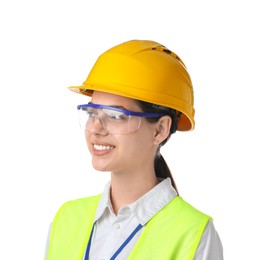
(125, 190)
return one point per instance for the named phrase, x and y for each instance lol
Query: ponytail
(162, 170)
(160, 166)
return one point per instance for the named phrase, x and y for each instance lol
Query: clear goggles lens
(111, 119)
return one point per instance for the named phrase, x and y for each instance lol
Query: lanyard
(134, 232)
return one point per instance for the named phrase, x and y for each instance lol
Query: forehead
(109, 99)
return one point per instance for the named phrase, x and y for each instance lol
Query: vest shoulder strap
(173, 233)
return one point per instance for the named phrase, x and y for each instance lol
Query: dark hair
(160, 166)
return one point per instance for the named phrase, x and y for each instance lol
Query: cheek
(87, 137)
(139, 145)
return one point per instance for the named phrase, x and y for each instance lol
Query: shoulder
(182, 209)
(78, 207)
(82, 202)
(210, 246)
(180, 225)
(181, 217)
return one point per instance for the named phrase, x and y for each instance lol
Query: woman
(140, 94)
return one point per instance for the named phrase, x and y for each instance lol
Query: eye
(90, 112)
(115, 115)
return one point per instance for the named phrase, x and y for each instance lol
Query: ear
(162, 129)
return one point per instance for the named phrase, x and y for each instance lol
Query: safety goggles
(113, 120)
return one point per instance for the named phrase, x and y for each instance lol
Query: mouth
(99, 147)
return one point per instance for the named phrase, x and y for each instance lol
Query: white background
(220, 167)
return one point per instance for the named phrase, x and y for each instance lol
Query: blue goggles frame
(124, 111)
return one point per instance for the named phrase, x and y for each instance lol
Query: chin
(100, 167)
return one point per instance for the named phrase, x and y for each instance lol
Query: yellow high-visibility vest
(172, 234)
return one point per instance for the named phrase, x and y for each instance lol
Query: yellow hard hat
(147, 71)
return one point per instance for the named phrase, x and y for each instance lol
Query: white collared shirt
(112, 230)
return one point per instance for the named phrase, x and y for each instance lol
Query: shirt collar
(145, 207)
(104, 202)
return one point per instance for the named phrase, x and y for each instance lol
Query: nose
(96, 126)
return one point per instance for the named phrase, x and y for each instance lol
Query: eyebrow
(115, 106)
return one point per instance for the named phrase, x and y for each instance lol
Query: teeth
(103, 147)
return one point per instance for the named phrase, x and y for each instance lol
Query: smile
(102, 147)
